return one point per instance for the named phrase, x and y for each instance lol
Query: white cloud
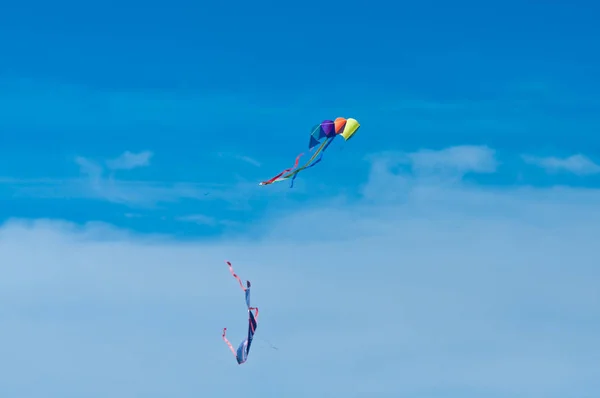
(576, 164)
(137, 193)
(390, 180)
(243, 158)
(467, 290)
(88, 167)
(461, 159)
(95, 183)
(199, 219)
(129, 160)
(133, 215)
(202, 219)
(101, 184)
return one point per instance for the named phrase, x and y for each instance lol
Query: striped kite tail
(228, 343)
(235, 275)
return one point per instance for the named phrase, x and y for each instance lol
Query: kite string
(268, 343)
(260, 338)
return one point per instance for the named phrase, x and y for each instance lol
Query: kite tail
(255, 313)
(228, 343)
(272, 180)
(235, 275)
(322, 150)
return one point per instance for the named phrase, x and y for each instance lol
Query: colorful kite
(241, 355)
(328, 129)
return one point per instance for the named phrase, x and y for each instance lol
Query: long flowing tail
(235, 275)
(255, 313)
(311, 161)
(228, 343)
(272, 180)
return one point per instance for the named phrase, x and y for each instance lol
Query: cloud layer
(441, 288)
(576, 164)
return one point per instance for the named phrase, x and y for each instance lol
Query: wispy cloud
(129, 160)
(199, 219)
(89, 167)
(576, 164)
(460, 159)
(389, 169)
(143, 193)
(243, 158)
(98, 182)
(202, 219)
(394, 176)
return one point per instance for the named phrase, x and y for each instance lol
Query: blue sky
(446, 251)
